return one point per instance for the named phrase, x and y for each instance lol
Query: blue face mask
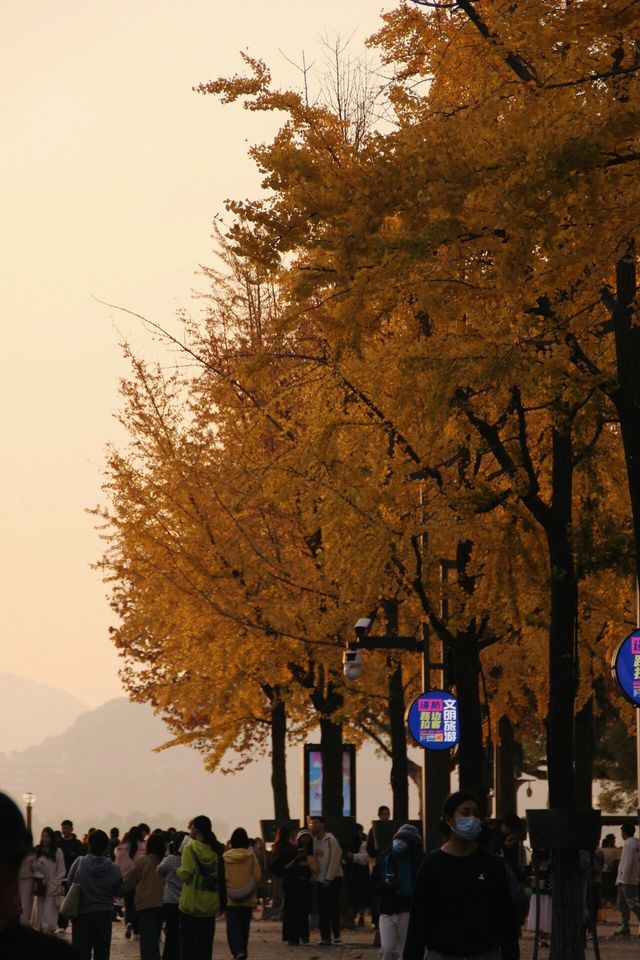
(467, 828)
(399, 846)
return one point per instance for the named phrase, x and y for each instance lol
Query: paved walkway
(266, 944)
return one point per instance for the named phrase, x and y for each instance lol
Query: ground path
(266, 944)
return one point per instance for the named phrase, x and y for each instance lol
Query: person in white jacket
(628, 878)
(328, 854)
(49, 866)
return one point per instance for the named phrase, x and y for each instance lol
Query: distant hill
(30, 711)
(103, 771)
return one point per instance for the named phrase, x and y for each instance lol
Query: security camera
(362, 627)
(352, 665)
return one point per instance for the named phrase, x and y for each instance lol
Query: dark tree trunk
(331, 749)
(585, 748)
(278, 751)
(471, 758)
(567, 914)
(399, 768)
(506, 802)
(279, 761)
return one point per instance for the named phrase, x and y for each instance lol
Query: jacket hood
(97, 866)
(203, 851)
(409, 833)
(237, 855)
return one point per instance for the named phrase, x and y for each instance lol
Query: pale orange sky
(112, 170)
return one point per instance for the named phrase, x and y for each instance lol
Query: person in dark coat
(17, 940)
(462, 905)
(295, 864)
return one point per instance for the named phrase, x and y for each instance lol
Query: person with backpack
(100, 880)
(461, 905)
(201, 874)
(393, 882)
(171, 897)
(242, 873)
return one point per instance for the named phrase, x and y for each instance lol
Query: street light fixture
(29, 799)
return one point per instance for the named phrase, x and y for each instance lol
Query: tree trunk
(585, 748)
(506, 794)
(331, 749)
(471, 758)
(567, 914)
(399, 769)
(278, 761)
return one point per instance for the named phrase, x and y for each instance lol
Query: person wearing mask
(328, 854)
(171, 898)
(201, 874)
(131, 849)
(148, 887)
(17, 940)
(242, 873)
(393, 882)
(461, 905)
(72, 848)
(100, 881)
(49, 872)
(627, 879)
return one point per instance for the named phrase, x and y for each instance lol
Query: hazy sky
(112, 170)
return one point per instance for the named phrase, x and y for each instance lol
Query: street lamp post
(435, 766)
(29, 799)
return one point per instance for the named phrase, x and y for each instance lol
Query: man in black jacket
(72, 848)
(18, 941)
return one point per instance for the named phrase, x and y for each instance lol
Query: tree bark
(331, 749)
(567, 914)
(585, 748)
(506, 798)
(279, 761)
(278, 751)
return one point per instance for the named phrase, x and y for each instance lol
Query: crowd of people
(168, 887)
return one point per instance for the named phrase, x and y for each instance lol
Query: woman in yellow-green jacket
(202, 876)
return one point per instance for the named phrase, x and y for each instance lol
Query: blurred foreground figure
(17, 941)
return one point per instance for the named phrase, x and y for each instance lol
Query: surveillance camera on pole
(352, 664)
(362, 627)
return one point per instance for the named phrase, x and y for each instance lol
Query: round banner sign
(433, 720)
(625, 667)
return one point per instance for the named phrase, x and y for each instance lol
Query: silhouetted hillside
(30, 711)
(103, 771)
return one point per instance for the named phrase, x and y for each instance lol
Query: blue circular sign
(434, 720)
(625, 667)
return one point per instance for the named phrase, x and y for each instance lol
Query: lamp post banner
(433, 720)
(625, 667)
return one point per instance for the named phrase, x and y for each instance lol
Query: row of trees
(423, 344)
